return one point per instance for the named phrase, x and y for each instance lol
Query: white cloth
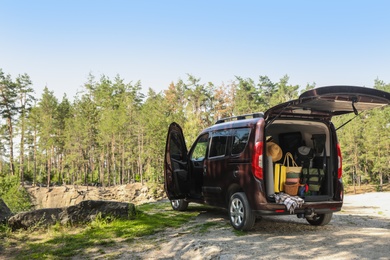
(291, 202)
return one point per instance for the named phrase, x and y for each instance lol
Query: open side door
(176, 170)
(331, 101)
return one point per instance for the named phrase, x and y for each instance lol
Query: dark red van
(228, 165)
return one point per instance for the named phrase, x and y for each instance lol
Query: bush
(14, 195)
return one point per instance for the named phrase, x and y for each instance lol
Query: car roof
(238, 123)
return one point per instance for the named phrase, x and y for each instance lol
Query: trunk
(35, 156)
(113, 160)
(101, 168)
(92, 165)
(21, 159)
(48, 170)
(140, 150)
(85, 167)
(290, 135)
(123, 173)
(11, 146)
(108, 166)
(380, 172)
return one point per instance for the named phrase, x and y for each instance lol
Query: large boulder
(83, 212)
(88, 210)
(5, 212)
(34, 218)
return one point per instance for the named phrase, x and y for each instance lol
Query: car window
(200, 148)
(176, 146)
(218, 143)
(240, 139)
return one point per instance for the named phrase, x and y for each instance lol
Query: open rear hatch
(331, 101)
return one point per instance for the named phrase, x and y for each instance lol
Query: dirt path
(360, 231)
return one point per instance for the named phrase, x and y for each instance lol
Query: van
(235, 163)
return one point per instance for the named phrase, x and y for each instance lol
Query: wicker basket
(291, 188)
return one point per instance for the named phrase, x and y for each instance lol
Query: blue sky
(58, 43)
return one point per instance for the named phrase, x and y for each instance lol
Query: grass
(205, 227)
(60, 242)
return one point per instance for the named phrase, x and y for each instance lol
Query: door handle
(236, 172)
(204, 170)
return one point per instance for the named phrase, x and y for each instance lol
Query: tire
(240, 214)
(180, 204)
(320, 219)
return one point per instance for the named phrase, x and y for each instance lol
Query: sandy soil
(360, 231)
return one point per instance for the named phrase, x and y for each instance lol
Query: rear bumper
(307, 208)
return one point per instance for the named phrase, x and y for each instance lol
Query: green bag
(314, 178)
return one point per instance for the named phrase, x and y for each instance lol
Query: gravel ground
(360, 231)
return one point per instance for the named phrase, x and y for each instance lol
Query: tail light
(257, 161)
(340, 162)
(257, 157)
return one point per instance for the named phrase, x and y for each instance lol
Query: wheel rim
(236, 212)
(175, 203)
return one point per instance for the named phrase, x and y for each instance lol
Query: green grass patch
(240, 233)
(205, 227)
(59, 242)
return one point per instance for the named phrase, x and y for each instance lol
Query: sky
(59, 43)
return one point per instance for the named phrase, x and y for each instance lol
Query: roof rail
(240, 117)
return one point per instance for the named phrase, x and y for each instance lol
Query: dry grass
(365, 188)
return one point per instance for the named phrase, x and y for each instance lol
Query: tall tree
(285, 92)
(267, 89)
(64, 110)
(247, 98)
(9, 110)
(223, 102)
(32, 139)
(24, 90)
(47, 129)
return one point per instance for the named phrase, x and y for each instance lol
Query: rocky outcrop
(64, 196)
(83, 212)
(5, 212)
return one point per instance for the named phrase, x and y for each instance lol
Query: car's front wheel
(320, 219)
(179, 204)
(240, 213)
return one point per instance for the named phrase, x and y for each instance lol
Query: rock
(5, 212)
(40, 217)
(88, 210)
(65, 196)
(83, 212)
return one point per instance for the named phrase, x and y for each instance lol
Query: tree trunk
(35, 156)
(48, 169)
(123, 173)
(11, 146)
(113, 160)
(21, 159)
(140, 150)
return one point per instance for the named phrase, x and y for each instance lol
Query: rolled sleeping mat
(269, 174)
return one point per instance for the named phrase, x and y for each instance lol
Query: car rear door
(176, 170)
(331, 101)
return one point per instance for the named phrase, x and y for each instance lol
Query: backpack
(313, 178)
(305, 156)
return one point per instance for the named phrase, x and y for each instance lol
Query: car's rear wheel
(240, 213)
(320, 219)
(179, 204)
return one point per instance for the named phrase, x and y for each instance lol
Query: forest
(111, 133)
